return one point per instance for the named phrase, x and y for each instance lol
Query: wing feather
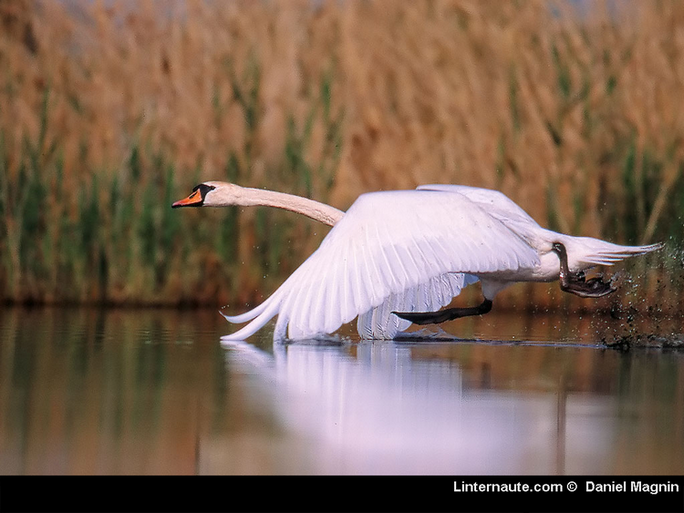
(436, 293)
(398, 250)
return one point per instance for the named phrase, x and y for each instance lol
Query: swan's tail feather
(599, 252)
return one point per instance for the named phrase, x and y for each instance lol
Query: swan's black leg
(576, 283)
(445, 315)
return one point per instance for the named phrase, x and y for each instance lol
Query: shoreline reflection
(106, 391)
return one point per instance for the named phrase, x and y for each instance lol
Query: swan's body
(408, 251)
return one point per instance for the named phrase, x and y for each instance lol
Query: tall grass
(110, 111)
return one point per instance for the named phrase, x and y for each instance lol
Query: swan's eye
(203, 188)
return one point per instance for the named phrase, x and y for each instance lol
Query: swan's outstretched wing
(388, 244)
(496, 203)
(501, 207)
(582, 251)
(381, 323)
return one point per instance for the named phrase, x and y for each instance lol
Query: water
(85, 391)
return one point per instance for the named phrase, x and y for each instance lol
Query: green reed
(89, 168)
(115, 239)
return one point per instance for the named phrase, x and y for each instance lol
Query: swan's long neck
(249, 197)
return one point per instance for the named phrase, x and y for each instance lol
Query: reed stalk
(111, 110)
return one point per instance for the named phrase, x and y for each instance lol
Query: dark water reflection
(153, 392)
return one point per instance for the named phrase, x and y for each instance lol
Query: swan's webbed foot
(445, 315)
(595, 287)
(576, 283)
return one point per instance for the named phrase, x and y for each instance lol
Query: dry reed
(110, 111)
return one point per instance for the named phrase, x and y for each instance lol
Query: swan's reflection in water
(151, 392)
(377, 408)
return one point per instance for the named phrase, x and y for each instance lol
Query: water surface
(87, 391)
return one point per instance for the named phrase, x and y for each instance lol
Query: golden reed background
(109, 111)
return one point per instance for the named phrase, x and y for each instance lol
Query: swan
(397, 257)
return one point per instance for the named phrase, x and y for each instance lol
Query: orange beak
(194, 200)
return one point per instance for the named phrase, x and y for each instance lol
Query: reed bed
(109, 111)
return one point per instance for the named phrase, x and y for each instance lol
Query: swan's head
(211, 194)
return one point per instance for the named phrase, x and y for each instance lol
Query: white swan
(397, 257)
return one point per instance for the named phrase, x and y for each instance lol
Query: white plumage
(405, 251)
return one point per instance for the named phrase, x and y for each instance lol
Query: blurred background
(112, 110)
